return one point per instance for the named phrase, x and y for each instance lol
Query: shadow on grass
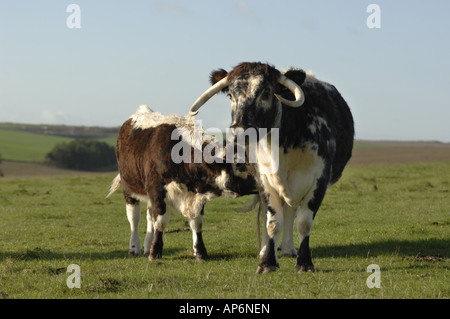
(432, 247)
(45, 254)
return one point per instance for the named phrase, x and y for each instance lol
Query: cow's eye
(265, 95)
(230, 96)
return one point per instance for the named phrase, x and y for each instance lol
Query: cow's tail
(258, 226)
(115, 185)
(250, 206)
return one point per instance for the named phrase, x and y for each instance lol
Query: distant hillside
(27, 147)
(30, 143)
(86, 132)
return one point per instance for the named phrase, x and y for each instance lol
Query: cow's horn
(209, 93)
(294, 88)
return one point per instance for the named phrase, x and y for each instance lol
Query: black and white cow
(316, 135)
(156, 155)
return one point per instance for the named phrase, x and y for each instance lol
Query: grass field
(393, 215)
(31, 147)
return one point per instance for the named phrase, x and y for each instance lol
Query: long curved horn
(209, 93)
(294, 88)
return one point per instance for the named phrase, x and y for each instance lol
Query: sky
(395, 76)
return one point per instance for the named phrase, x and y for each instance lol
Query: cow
(316, 133)
(148, 144)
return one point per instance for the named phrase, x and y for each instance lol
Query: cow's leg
(197, 238)
(274, 225)
(305, 219)
(133, 208)
(287, 246)
(150, 230)
(304, 225)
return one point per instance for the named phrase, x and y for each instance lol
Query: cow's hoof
(199, 256)
(264, 269)
(304, 268)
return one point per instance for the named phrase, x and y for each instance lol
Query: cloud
(309, 24)
(245, 9)
(175, 8)
(48, 116)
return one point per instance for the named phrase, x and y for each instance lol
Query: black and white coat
(315, 143)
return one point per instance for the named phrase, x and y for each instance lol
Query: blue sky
(394, 78)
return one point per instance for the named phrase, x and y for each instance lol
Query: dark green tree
(87, 155)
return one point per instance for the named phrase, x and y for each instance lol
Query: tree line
(82, 154)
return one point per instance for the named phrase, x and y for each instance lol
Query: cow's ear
(296, 75)
(218, 75)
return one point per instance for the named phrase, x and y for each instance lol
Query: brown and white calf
(152, 169)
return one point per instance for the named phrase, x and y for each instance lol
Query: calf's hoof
(155, 253)
(133, 252)
(154, 256)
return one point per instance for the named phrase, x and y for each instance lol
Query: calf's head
(256, 92)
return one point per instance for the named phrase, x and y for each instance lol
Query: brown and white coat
(147, 172)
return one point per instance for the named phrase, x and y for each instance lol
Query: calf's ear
(218, 75)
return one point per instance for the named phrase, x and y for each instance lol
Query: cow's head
(256, 92)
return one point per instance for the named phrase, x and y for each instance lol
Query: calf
(145, 151)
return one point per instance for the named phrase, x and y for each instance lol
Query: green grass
(396, 216)
(27, 147)
(363, 145)
(33, 147)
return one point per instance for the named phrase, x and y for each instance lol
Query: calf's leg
(134, 215)
(161, 222)
(197, 238)
(150, 231)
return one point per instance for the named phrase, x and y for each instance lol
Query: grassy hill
(27, 147)
(30, 143)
